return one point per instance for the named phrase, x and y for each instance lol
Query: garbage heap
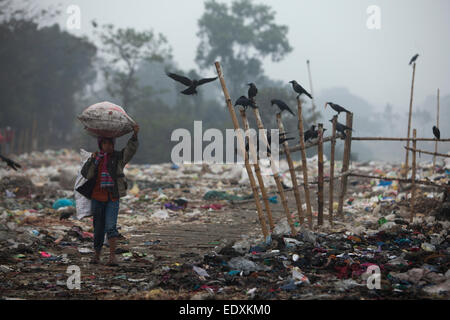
(372, 252)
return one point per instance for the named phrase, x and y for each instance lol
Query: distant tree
(239, 36)
(43, 70)
(125, 50)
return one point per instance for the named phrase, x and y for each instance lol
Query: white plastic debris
(200, 271)
(160, 214)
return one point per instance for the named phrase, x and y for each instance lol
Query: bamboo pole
(333, 147)
(311, 86)
(423, 182)
(437, 125)
(12, 142)
(396, 139)
(304, 163)
(26, 142)
(275, 172)
(33, 134)
(409, 116)
(413, 178)
(3, 143)
(430, 153)
(345, 162)
(320, 167)
(311, 144)
(258, 173)
(242, 145)
(291, 170)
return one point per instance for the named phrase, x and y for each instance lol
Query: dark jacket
(115, 165)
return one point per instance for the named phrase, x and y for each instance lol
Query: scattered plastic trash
(60, 203)
(200, 271)
(160, 214)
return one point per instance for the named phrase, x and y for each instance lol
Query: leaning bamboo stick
(304, 163)
(242, 145)
(33, 146)
(311, 144)
(413, 178)
(333, 147)
(311, 87)
(409, 116)
(423, 182)
(258, 173)
(275, 172)
(26, 141)
(430, 153)
(345, 163)
(292, 171)
(320, 167)
(437, 125)
(396, 139)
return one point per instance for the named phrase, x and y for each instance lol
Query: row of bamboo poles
(345, 171)
(255, 189)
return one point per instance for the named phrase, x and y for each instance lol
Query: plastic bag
(106, 119)
(82, 204)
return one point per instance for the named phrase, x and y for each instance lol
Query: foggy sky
(333, 34)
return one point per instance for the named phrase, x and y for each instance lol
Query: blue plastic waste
(385, 183)
(63, 203)
(273, 199)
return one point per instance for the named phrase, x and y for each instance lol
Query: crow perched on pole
(10, 163)
(252, 91)
(299, 89)
(336, 107)
(413, 59)
(192, 84)
(244, 102)
(436, 133)
(308, 134)
(312, 133)
(341, 128)
(282, 105)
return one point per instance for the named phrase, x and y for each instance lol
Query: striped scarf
(106, 182)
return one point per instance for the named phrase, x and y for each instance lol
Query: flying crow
(192, 84)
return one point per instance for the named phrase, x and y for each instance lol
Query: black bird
(180, 202)
(312, 133)
(308, 134)
(252, 91)
(10, 163)
(299, 89)
(436, 133)
(66, 213)
(336, 107)
(282, 105)
(192, 84)
(413, 59)
(341, 128)
(244, 102)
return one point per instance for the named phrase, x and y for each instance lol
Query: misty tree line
(49, 76)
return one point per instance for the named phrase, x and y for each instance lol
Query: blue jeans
(105, 220)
